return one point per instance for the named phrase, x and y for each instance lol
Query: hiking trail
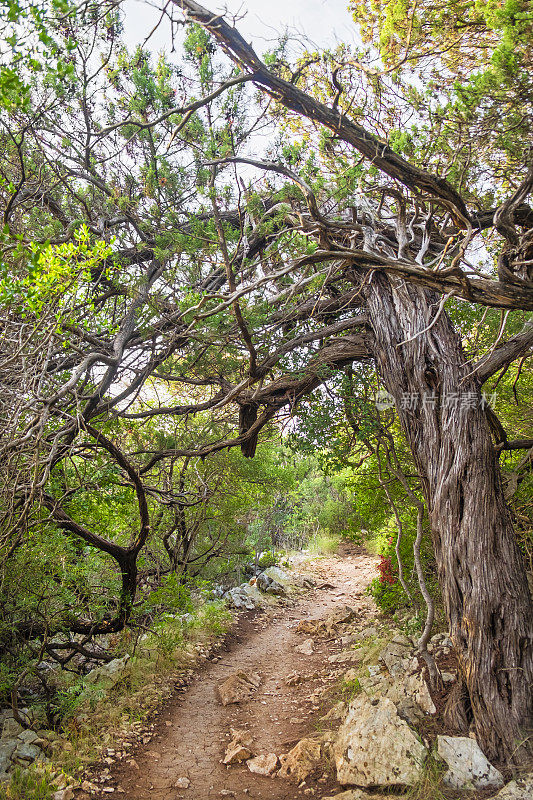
(192, 730)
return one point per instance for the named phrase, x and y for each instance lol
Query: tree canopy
(168, 294)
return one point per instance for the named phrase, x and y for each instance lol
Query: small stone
(264, 764)
(306, 648)
(182, 783)
(64, 794)
(293, 679)
(238, 687)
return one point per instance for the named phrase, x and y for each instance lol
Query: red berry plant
(386, 574)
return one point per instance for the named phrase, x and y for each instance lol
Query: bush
(267, 559)
(388, 596)
(386, 589)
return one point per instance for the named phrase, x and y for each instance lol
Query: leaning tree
(174, 273)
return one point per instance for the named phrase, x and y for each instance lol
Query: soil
(192, 731)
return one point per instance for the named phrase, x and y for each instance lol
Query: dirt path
(192, 731)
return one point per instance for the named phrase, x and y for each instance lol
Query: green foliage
(54, 272)
(171, 595)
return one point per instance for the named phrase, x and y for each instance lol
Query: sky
(324, 22)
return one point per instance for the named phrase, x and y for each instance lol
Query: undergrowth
(94, 716)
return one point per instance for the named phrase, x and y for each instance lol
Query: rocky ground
(312, 695)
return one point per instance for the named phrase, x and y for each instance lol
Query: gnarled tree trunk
(481, 570)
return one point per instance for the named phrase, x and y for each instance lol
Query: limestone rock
(367, 633)
(64, 794)
(182, 783)
(263, 581)
(7, 748)
(239, 598)
(11, 728)
(409, 693)
(401, 639)
(108, 674)
(303, 759)
(519, 789)
(253, 594)
(306, 648)
(417, 688)
(26, 753)
(395, 656)
(240, 747)
(327, 626)
(276, 589)
(238, 687)
(29, 736)
(340, 617)
(467, 766)
(375, 747)
(266, 764)
(313, 627)
(279, 576)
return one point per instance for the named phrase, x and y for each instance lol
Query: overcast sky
(323, 21)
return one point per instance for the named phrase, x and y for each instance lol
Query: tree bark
(481, 569)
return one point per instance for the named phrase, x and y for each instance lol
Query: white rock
(395, 656)
(306, 648)
(64, 794)
(279, 575)
(375, 747)
(108, 673)
(467, 766)
(519, 789)
(238, 598)
(182, 783)
(416, 687)
(263, 765)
